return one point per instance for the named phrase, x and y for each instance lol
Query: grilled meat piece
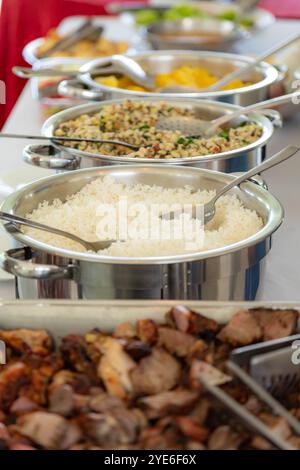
(276, 324)
(177, 401)
(211, 374)
(119, 426)
(241, 330)
(137, 349)
(47, 430)
(176, 342)
(191, 429)
(12, 378)
(26, 341)
(80, 383)
(147, 331)
(23, 405)
(74, 350)
(114, 368)
(187, 321)
(125, 330)
(103, 402)
(224, 438)
(62, 400)
(156, 373)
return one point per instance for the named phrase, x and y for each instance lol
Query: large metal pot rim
(275, 219)
(51, 124)
(269, 72)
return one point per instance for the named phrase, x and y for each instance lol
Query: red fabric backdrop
(282, 8)
(24, 20)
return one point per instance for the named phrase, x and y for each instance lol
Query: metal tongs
(269, 362)
(86, 30)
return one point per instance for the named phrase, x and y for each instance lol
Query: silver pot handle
(48, 156)
(74, 89)
(16, 262)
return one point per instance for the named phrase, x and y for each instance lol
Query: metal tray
(64, 317)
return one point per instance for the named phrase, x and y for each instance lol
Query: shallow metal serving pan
(156, 62)
(182, 34)
(59, 157)
(61, 318)
(229, 273)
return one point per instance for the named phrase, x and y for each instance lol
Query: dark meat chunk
(174, 402)
(241, 330)
(74, 350)
(224, 438)
(276, 324)
(12, 378)
(114, 368)
(119, 426)
(147, 331)
(187, 321)
(28, 341)
(156, 373)
(48, 430)
(176, 342)
(137, 349)
(80, 383)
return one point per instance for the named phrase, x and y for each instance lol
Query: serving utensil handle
(241, 70)
(18, 262)
(269, 163)
(279, 100)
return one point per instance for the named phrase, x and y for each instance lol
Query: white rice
(79, 215)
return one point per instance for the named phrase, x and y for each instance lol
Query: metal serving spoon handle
(68, 139)
(241, 70)
(279, 100)
(210, 207)
(91, 246)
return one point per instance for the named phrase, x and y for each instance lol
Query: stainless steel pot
(195, 34)
(155, 62)
(230, 273)
(59, 157)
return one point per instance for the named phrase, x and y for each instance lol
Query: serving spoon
(209, 209)
(69, 139)
(242, 70)
(90, 246)
(195, 127)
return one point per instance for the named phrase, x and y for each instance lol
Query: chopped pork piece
(177, 401)
(241, 330)
(191, 322)
(28, 341)
(276, 324)
(212, 375)
(155, 373)
(103, 402)
(137, 349)
(12, 378)
(147, 331)
(114, 368)
(224, 438)
(22, 406)
(75, 352)
(45, 429)
(176, 342)
(125, 330)
(62, 400)
(192, 429)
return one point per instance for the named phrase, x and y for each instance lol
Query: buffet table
(281, 278)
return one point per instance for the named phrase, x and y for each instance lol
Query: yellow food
(84, 48)
(193, 77)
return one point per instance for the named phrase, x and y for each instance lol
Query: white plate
(8, 184)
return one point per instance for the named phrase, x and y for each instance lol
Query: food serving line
(280, 278)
